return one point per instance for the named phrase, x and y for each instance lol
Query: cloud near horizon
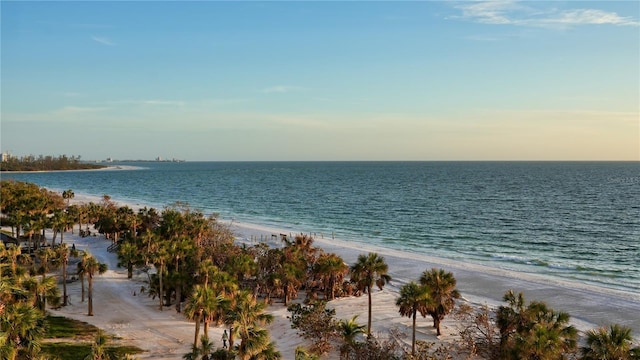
(511, 12)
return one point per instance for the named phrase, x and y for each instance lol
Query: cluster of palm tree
(25, 290)
(535, 331)
(22, 298)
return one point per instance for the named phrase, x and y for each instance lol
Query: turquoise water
(577, 221)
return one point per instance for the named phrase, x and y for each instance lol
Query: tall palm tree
(128, 254)
(613, 343)
(442, 290)
(62, 256)
(91, 267)
(202, 306)
(369, 270)
(160, 257)
(413, 298)
(244, 316)
(45, 256)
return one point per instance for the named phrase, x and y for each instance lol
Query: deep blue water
(573, 220)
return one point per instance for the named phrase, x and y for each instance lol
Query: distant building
(6, 156)
(159, 158)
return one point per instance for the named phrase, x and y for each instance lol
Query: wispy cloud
(73, 110)
(281, 89)
(510, 12)
(103, 40)
(148, 102)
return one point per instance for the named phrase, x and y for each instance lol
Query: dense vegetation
(193, 260)
(46, 163)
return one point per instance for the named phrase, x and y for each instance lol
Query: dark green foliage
(46, 163)
(316, 323)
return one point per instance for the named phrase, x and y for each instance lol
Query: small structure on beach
(8, 239)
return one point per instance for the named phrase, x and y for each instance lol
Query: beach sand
(121, 310)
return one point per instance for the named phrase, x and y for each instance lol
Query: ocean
(574, 221)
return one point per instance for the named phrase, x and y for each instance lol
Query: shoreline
(105, 168)
(590, 306)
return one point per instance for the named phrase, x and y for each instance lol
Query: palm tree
(68, 195)
(21, 328)
(413, 298)
(244, 316)
(62, 255)
(45, 255)
(613, 343)
(43, 289)
(533, 331)
(90, 267)
(349, 330)
(159, 257)
(442, 290)
(98, 347)
(368, 270)
(129, 254)
(253, 342)
(330, 270)
(194, 309)
(59, 222)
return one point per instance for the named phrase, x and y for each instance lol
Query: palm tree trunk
(160, 290)
(369, 321)
(64, 283)
(82, 286)
(232, 338)
(129, 270)
(195, 339)
(413, 337)
(90, 296)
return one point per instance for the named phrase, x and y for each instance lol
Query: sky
(325, 80)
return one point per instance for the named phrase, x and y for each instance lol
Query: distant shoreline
(104, 168)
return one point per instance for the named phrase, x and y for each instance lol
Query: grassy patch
(62, 327)
(59, 327)
(69, 351)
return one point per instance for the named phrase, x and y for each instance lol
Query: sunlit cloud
(73, 110)
(509, 12)
(103, 40)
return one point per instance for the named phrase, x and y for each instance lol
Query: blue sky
(453, 80)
